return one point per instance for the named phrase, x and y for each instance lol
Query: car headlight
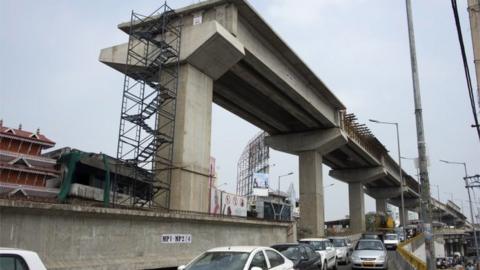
(355, 257)
(381, 258)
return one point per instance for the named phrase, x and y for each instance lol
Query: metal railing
(404, 256)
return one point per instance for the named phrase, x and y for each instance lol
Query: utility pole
(474, 12)
(422, 151)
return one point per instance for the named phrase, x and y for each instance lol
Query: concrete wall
(77, 237)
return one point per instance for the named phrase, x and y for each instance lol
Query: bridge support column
(357, 207)
(312, 217)
(404, 217)
(310, 146)
(356, 178)
(191, 157)
(381, 205)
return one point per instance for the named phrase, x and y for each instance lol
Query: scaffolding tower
(147, 120)
(254, 159)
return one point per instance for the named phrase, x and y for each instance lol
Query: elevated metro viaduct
(232, 57)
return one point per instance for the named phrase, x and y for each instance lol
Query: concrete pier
(312, 213)
(356, 203)
(189, 186)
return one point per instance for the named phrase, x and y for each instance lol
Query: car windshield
(339, 243)
(291, 252)
(390, 237)
(219, 261)
(317, 245)
(369, 245)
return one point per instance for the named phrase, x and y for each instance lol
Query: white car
(326, 250)
(390, 240)
(18, 259)
(343, 251)
(240, 258)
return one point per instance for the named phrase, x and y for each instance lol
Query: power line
(465, 66)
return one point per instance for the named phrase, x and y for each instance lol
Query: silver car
(369, 254)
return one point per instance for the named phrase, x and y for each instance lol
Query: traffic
(307, 254)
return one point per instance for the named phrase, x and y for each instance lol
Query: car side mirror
(181, 267)
(256, 268)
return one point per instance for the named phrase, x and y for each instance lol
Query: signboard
(234, 205)
(260, 180)
(262, 192)
(176, 238)
(197, 18)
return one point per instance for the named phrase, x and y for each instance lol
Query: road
(390, 265)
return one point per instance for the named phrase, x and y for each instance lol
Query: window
(12, 262)
(218, 260)
(303, 252)
(318, 245)
(311, 253)
(259, 261)
(274, 258)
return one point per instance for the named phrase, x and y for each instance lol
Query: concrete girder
(363, 175)
(383, 193)
(251, 108)
(268, 89)
(209, 47)
(409, 203)
(323, 141)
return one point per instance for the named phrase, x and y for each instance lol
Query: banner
(260, 180)
(234, 205)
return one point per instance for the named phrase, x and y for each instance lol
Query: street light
(469, 199)
(402, 184)
(283, 175)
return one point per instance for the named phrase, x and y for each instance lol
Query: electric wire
(465, 65)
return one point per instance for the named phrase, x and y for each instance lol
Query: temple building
(21, 162)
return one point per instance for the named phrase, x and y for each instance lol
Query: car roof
(365, 240)
(235, 249)
(314, 239)
(338, 237)
(291, 245)
(14, 250)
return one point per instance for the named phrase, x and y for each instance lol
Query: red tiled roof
(26, 135)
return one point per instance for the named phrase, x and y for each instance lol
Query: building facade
(21, 162)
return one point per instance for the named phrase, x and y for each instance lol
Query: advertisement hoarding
(233, 205)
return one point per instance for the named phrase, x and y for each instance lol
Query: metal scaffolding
(147, 120)
(254, 159)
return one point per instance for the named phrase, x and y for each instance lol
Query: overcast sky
(51, 78)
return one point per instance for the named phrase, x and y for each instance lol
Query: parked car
(18, 259)
(303, 256)
(390, 240)
(369, 254)
(343, 251)
(240, 258)
(326, 250)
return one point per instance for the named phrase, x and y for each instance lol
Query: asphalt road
(348, 267)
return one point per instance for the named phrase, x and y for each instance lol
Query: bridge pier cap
(229, 55)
